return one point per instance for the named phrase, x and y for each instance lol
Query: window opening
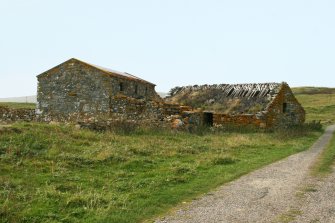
(284, 107)
(121, 87)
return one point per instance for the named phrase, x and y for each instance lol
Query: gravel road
(270, 194)
(318, 202)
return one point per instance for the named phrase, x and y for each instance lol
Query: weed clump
(224, 160)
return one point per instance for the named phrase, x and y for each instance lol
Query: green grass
(319, 103)
(18, 105)
(51, 173)
(326, 160)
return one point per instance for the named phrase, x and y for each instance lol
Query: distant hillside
(24, 99)
(319, 103)
(313, 90)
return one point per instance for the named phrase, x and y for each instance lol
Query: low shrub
(313, 125)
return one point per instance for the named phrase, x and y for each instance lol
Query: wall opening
(284, 107)
(136, 89)
(208, 118)
(121, 87)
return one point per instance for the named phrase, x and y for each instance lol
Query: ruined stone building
(77, 87)
(77, 91)
(261, 105)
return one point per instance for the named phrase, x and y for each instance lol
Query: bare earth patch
(270, 194)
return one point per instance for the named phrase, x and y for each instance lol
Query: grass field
(54, 173)
(51, 173)
(319, 103)
(18, 105)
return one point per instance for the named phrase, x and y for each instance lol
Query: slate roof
(103, 69)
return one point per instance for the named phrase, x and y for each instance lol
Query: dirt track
(279, 192)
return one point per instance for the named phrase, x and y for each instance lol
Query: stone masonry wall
(239, 120)
(285, 109)
(124, 109)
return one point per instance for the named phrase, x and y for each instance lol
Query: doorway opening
(208, 118)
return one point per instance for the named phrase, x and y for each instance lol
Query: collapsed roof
(226, 98)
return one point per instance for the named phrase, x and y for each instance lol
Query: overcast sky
(171, 42)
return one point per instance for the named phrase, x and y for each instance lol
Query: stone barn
(77, 87)
(264, 105)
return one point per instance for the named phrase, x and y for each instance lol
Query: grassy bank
(17, 105)
(59, 174)
(313, 90)
(319, 103)
(319, 107)
(326, 160)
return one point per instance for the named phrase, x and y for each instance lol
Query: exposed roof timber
(238, 90)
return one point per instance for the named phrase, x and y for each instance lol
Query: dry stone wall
(8, 115)
(239, 120)
(125, 110)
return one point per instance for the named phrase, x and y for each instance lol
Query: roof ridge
(104, 69)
